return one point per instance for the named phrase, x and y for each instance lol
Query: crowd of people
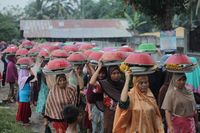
(103, 99)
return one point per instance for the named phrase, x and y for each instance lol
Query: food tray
(55, 72)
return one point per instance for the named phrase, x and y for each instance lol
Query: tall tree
(99, 9)
(8, 28)
(117, 9)
(160, 11)
(15, 12)
(93, 9)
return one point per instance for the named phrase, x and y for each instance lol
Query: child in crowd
(71, 116)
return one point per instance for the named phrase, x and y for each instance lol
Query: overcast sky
(21, 3)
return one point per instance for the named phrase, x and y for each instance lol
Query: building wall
(137, 40)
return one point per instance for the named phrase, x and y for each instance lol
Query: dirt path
(36, 120)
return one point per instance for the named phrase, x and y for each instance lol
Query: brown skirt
(108, 120)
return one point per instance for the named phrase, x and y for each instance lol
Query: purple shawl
(11, 73)
(23, 76)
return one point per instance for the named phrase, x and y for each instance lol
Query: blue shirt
(24, 93)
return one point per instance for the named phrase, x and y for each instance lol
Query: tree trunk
(166, 19)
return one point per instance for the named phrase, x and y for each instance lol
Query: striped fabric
(58, 99)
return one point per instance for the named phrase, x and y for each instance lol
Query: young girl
(24, 110)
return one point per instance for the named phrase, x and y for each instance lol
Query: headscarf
(117, 84)
(58, 98)
(103, 70)
(176, 77)
(23, 76)
(11, 58)
(175, 96)
(142, 115)
(60, 76)
(164, 88)
(193, 78)
(139, 95)
(112, 88)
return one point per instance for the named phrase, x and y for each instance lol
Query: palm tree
(193, 12)
(180, 20)
(198, 6)
(37, 10)
(61, 9)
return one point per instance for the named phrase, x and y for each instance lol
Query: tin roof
(83, 28)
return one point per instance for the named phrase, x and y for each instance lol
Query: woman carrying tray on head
(43, 88)
(179, 105)
(11, 77)
(24, 109)
(34, 83)
(109, 96)
(137, 110)
(95, 114)
(76, 77)
(61, 95)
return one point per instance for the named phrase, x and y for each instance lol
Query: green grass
(8, 123)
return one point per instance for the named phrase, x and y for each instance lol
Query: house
(76, 30)
(154, 37)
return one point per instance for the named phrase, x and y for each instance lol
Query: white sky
(21, 3)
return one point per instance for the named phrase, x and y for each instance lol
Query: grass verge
(8, 123)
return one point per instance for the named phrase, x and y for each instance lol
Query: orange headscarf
(143, 114)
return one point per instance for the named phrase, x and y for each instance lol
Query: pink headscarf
(23, 76)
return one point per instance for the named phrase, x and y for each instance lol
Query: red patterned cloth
(60, 127)
(23, 112)
(183, 124)
(109, 102)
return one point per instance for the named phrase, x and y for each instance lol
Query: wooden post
(186, 41)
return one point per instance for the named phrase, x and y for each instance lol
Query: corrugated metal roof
(84, 28)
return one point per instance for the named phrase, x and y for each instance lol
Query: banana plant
(134, 20)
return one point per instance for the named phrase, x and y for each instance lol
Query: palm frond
(197, 7)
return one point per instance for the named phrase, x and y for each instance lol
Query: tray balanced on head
(140, 63)
(57, 66)
(179, 63)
